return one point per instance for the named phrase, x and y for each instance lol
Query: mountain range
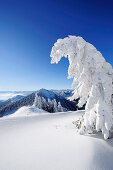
(11, 105)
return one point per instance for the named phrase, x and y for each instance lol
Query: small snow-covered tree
(60, 108)
(44, 103)
(50, 103)
(37, 101)
(50, 106)
(55, 107)
(94, 77)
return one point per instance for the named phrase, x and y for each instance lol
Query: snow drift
(45, 141)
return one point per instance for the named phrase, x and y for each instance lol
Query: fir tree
(55, 107)
(60, 108)
(94, 77)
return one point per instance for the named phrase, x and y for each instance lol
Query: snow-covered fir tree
(60, 108)
(50, 106)
(37, 101)
(50, 103)
(94, 77)
(44, 103)
(55, 107)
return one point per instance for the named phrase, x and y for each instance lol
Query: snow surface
(27, 111)
(34, 140)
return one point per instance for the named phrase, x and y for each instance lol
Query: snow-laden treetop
(94, 76)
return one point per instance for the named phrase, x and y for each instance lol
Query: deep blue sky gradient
(29, 28)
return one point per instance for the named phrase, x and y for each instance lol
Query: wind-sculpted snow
(34, 140)
(94, 76)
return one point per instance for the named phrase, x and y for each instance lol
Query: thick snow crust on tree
(94, 76)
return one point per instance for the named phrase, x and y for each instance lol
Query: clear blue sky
(28, 30)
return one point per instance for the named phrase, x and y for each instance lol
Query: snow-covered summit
(47, 94)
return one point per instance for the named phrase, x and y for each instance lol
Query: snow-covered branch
(94, 76)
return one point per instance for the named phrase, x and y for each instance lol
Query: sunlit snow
(35, 140)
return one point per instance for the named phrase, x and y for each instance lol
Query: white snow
(47, 93)
(26, 111)
(49, 141)
(94, 76)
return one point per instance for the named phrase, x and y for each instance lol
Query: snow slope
(49, 141)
